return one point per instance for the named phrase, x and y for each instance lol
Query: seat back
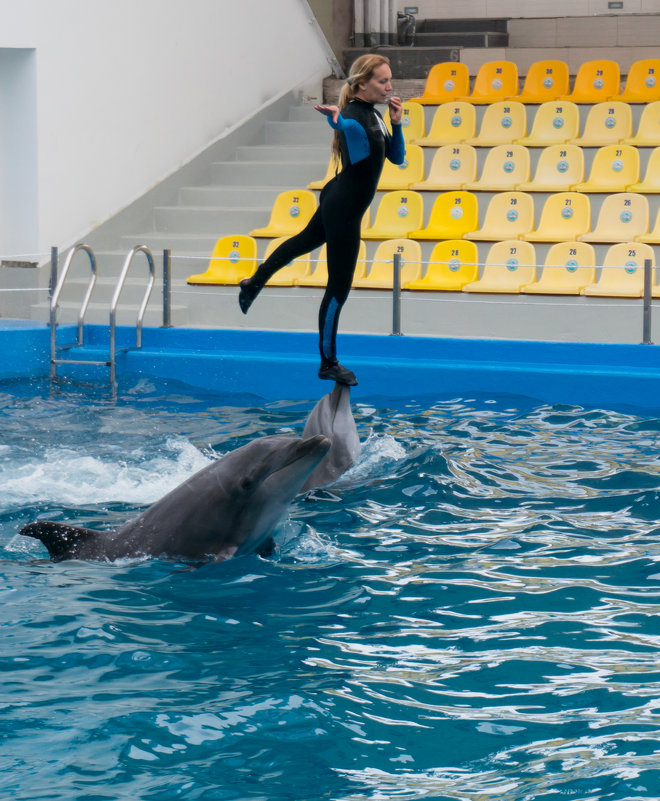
(505, 167)
(400, 176)
(509, 266)
(444, 82)
(233, 258)
(574, 262)
(545, 80)
(606, 124)
(381, 273)
(622, 273)
(643, 82)
(648, 128)
(291, 212)
(452, 216)
(398, 212)
(595, 81)
(452, 166)
(554, 123)
(651, 182)
(413, 125)
(558, 168)
(291, 272)
(495, 80)
(453, 263)
(452, 122)
(502, 122)
(622, 217)
(565, 216)
(614, 167)
(508, 216)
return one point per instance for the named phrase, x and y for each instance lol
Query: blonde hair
(361, 71)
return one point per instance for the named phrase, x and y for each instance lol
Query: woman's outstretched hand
(329, 111)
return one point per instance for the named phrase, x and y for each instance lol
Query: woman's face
(376, 89)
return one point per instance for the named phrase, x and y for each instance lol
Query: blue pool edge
(280, 364)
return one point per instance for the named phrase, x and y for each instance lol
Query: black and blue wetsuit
(365, 143)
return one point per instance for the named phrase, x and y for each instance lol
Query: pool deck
(282, 365)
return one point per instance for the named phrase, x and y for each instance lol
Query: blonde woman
(362, 142)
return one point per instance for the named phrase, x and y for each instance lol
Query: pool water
(472, 612)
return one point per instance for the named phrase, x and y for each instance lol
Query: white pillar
(372, 22)
(359, 28)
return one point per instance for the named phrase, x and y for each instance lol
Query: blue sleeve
(357, 140)
(396, 147)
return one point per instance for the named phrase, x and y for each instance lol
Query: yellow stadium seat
(444, 82)
(452, 264)
(622, 274)
(559, 167)
(545, 80)
(622, 218)
(452, 122)
(291, 212)
(509, 267)
(380, 276)
(333, 168)
(453, 214)
(651, 183)
(613, 168)
(320, 275)
(648, 127)
(413, 125)
(643, 82)
(606, 124)
(595, 81)
(568, 268)
(397, 213)
(509, 215)
(505, 167)
(290, 273)
(554, 123)
(452, 166)
(233, 258)
(495, 80)
(653, 237)
(565, 216)
(401, 176)
(501, 123)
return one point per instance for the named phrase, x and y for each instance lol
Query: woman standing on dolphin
(361, 143)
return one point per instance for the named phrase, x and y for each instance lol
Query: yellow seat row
(510, 267)
(623, 216)
(615, 168)
(545, 80)
(505, 122)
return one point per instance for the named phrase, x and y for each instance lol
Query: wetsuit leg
(312, 236)
(343, 244)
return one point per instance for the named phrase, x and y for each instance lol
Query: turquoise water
(471, 613)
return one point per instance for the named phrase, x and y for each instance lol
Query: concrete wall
(101, 100)
(442, 9)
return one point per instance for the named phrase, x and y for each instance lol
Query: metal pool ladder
(111, 361)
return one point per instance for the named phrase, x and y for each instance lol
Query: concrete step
(210, 219)
(447, 39)
(100, 313)
(408, 62)
(286, 152)
(285, 175)
(296, 132)
(223, 195)
(305, 113)
(468, 25)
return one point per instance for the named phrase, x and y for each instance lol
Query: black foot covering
(333, 371)
(247, 292)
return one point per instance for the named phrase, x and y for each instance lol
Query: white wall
(446, 9)
(125, 91)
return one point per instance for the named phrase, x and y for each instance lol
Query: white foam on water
(74, 477)
(378, 451)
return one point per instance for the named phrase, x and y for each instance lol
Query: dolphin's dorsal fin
(62, 541)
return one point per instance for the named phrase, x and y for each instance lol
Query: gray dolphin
(228, 508)
(333, 418)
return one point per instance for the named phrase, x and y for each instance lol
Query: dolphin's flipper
(63, 541)
(333, 417)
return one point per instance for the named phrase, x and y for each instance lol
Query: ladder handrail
(54, 301)
(143, 306)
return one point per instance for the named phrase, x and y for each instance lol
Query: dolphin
(333, 418)
(229, 508)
